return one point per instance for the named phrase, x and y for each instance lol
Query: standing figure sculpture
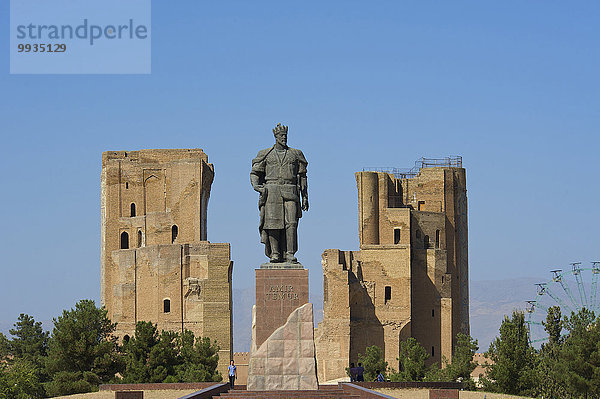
(279, 175)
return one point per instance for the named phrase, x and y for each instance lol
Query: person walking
(232, 371)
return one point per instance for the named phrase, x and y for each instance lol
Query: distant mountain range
(490, 301)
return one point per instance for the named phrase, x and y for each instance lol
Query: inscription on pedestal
(281, 292)
(278, 293)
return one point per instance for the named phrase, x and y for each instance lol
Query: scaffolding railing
(407, 173)
(448, 162)
(397, 172)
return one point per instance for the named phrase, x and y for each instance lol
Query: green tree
(4, 384)
(198, 361)
(513, 371)
(25, 354)
(137, 353)
(169, 357)
(553, 325)
(20, 380)
(549, 380)
(4, 347)
(150, 357)
(29, 341)
(462, 364)
(578, 365)
(28, 350)
(411, 361)
(82, 353)
(164, 357)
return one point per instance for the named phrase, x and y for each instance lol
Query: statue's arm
(257, 181)
(257, 174)
(303, 179)
(304, 191)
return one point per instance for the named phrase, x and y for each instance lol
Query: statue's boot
(274, 242)
(290, 258)
(291, 236)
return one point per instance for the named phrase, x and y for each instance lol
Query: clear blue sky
(511, 86)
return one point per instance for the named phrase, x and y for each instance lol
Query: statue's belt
(278, 182)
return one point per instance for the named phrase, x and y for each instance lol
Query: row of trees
(82, 353)
(567, 366)
(413, 363)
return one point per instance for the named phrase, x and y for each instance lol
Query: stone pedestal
(282, 353)
(279, 291)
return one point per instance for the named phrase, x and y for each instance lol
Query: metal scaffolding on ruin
(407, 173)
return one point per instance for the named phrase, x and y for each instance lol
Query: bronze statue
(279, 175)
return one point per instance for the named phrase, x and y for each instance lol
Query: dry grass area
(149, 394)
(408, 393)
(424, 394)
(487, 395)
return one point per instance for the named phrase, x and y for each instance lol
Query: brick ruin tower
(156, 262)
(410, 277)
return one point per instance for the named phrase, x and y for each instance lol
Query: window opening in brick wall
(388, 294)
(396, 236)
(124, 240)
(167, 306)
(174, 232)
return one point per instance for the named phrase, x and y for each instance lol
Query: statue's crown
(280, 129)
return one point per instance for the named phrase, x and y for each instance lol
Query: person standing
(232, 371)
(352, 372)
(360, 373)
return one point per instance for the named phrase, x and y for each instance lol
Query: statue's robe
(280, 177)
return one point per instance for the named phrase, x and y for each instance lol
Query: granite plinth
(286, 360)
(278, 293)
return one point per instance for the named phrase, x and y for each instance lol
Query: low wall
(208, 393)
(205, 390)
(362, 392)
(156, 386)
